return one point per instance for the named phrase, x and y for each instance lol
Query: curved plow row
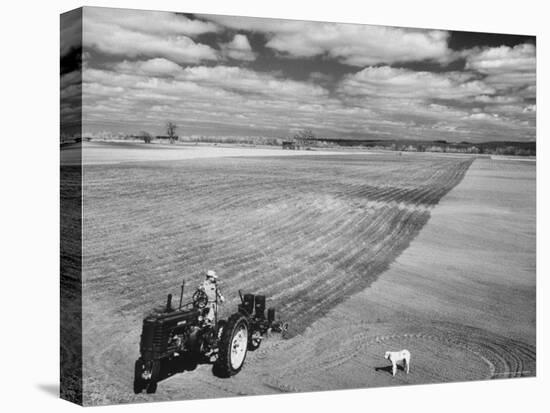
(501, 356)
(307, 232)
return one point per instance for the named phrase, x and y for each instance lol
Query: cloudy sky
(220, 75)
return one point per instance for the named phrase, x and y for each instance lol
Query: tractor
(181, 336)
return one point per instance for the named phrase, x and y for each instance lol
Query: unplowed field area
(307, 231)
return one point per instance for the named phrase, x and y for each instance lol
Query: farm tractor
(178, 339)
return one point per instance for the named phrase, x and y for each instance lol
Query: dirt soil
(460, 298)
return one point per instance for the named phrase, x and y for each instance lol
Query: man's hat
(211, 273)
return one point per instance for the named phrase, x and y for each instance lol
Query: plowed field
(307, 231)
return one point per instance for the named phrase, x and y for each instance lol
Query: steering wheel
(200, 299)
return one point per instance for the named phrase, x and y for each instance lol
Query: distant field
(94, 153)
(306, 231)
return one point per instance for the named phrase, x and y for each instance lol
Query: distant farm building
(166, 138)
(290, 145)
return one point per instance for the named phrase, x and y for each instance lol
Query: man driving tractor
(210, 287)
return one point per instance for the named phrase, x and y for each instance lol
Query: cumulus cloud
(353, 44)
(231, 99)
(147, 21)
(251, 82)
(142, 33)
(512, 81)
(473, 108)
(483, 116)
(362, 45)
(497, 99)
(71, 32)
(386, 81)
(228, 78)
(503, 59)
(239, 48)
(505, 67)
(528, 92)
(204, 96)
(157, 67)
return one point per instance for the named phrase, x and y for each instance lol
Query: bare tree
(305, 134)
(145, 136)
(304, 137)
(171, 131)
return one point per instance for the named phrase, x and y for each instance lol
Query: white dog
(398, 356)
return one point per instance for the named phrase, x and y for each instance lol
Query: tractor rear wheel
(232, 347)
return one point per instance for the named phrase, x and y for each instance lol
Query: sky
(241, 76)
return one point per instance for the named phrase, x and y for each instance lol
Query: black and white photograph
(243, 206)
(257, 206)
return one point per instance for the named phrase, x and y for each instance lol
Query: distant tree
(305, 135)
(171, 131)
(145, 136)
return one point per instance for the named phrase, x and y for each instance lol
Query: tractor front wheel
(150, 384)
(139, 381)
(155, 373)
